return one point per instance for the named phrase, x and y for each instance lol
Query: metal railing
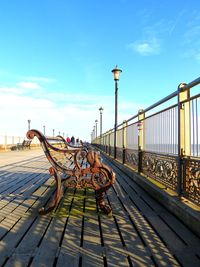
(162, 142)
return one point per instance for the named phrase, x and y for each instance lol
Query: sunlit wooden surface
(140, 232)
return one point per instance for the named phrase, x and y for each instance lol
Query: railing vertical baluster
(124, 136)
(109, 143)
(179, 178)
(141, 116)
(184, 127)
(197, 127)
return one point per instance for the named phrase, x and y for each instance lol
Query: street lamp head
(96, 121)
(100, 109)
(116, 72)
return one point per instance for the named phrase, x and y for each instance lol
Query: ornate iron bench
(74, 166)
(26, 144)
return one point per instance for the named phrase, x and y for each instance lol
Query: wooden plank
(175, 224)
(54, 237)
(137, 251)
(92, 246)
(11, 202)
(175, 243)
(12, 218)
(26, 247)
(25, 251)
(78, 234)
(48, 249)
(18, 177)
(70, 248)
(159, 251)
(115, 252)
(15, 227)
(7, 245)
(9, 158)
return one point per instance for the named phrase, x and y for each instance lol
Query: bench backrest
(61, 155)
(26, 143)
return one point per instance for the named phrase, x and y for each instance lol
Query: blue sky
(56, 58)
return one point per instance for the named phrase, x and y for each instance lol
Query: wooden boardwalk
(140, 231)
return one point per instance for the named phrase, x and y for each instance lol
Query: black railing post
(139, 160)
(141, 116)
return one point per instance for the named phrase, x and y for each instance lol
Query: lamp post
(53, 132)
(96, 127)
(116, 72)
(101, 111)
(94, 132)
(29, 123)
(44, 129)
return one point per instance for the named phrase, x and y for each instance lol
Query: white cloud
(29, 85)
(10, 90)
(72, 114)
(147, 47)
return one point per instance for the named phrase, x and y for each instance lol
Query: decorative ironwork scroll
(192, 179)
(131, 158)
(163, 168)
(119, 153)
(111, 151)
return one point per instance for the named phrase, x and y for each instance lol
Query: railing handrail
(191, 84)
(165, 99)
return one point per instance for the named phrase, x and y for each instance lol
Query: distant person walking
(72, 140)
(68, 140)
(77, 141)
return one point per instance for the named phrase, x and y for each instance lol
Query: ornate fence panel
(131, 158)
(161, 167)
(191, 174)
(195, 121)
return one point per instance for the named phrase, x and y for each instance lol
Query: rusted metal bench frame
(93, 174)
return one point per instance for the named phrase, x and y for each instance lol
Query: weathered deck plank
(158, 236)
(140, 232)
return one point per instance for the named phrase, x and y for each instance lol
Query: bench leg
(104, 206)
(57, 196)
(102, 180)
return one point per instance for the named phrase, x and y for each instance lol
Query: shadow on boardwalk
(140, 232)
